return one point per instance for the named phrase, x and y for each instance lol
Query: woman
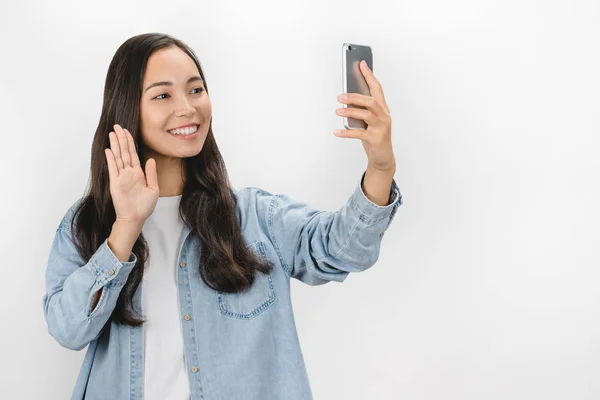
(178, 283)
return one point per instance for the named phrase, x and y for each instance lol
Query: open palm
(134, 194)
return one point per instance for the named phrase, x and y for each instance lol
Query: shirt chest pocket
(254, 301)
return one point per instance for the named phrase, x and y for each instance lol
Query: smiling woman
(178, 283)
(174, 104)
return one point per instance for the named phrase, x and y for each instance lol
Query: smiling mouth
(190, 130)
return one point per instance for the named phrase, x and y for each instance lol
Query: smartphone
(353, 79)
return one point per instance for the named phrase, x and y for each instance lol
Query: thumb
(151, 176)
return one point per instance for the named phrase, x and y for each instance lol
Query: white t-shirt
(165, 376)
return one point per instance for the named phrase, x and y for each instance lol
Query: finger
(115, 149)
(361, 100)
(113, 171)
(374, 85)
(151, 176)
(123, 146)
(358, 113)
(135, 160)
(351, 133)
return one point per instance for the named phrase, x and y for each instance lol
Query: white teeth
(185, 131)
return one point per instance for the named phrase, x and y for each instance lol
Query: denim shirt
(241, 346)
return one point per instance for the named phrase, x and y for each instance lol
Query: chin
(191, 152)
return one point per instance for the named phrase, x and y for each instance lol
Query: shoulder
(253, 196)
(253, 201)
(251, 191)
(273, 207)
(68, 216)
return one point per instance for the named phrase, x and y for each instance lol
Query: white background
(487, 286)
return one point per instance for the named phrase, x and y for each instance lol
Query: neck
(169, 173)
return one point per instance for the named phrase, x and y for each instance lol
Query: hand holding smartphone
(353, 79)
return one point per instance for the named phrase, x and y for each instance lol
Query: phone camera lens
(349, 47)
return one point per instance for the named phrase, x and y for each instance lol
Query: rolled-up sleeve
(71, 283)
(317, 246)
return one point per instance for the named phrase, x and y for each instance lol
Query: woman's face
(173, 96)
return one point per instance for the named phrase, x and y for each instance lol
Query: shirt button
(182, 264)
(111, 271)
(187, 318)
(194, 369)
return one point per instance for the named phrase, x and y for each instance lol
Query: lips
(182, 127)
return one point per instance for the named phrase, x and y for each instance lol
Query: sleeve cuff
(109, 270)
(373, 212)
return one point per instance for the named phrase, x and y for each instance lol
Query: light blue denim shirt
(241, 346)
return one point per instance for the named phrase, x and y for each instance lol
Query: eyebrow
(169, 83)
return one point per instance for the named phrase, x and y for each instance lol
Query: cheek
(153, 118)
(204, 106)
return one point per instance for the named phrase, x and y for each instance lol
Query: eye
(200, 89)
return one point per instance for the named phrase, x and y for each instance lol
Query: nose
(184, 108)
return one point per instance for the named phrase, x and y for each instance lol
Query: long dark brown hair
(207, 203)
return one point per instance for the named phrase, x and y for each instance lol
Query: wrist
(388, 171)
(128, 224)
(128, 230)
